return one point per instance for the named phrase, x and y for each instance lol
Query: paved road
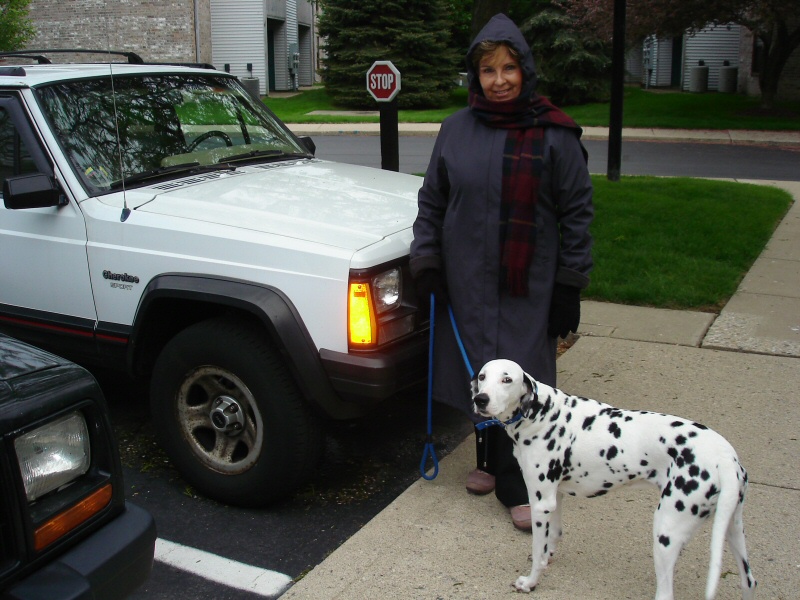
(368, 463)
(638, 158)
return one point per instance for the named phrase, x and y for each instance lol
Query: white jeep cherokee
(160, 220)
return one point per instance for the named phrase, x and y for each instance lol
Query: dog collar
(491, 422)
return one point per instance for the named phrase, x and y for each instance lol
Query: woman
(502, 234)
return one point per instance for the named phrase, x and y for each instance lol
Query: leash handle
(429, 449)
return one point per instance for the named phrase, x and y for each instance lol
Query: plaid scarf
(525, 120)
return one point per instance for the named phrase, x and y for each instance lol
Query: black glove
(565, 311)
(427, 282)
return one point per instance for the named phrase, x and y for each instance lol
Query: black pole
(617, 92)
(390, 141)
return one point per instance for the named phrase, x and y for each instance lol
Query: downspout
(197, 31)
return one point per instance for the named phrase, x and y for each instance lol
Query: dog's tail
(729, 496)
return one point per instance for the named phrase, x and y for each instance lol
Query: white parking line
(222, 570)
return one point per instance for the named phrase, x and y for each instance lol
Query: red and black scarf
(525, 120)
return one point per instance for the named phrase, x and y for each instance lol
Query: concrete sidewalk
(738, 373)
(732, 136)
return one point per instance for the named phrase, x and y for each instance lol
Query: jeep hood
(335, 204)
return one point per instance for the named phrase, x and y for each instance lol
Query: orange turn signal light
(360, 317)
(66, 521)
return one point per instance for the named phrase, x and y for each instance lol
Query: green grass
(642, 108)
(677, 242)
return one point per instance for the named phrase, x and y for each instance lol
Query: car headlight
(53, 455)
(386, 290)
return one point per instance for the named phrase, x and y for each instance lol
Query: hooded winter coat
(457, 232)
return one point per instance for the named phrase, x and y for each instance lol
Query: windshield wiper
(264, 154)
(189, 167)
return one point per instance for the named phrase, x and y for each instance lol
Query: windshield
(163, 123)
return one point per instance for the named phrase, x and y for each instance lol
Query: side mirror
(309, 144)
(36, 190)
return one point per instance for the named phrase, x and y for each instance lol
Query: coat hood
(502, 29)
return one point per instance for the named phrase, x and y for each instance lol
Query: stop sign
(383, 81)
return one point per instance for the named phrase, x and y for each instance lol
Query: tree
(774, 22)
(15, 26)
(413, 34)
(572, 68)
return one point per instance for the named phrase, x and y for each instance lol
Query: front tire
(229, 415)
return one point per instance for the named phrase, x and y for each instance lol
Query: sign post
(383, 84)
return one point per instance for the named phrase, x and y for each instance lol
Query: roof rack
(38, 55)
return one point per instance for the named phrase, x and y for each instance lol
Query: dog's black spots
(673, 453)
(694, 471)
(643, 463)
(538, 523)
(602, 452)
(677, 424)
(680, 506)
(608, 485)
(614, 430)
(632, 476)
(692, 434)
(539, 495)
(568, 458)
(663, 540)
(526, 442)
(712, 491)
(699, 426)
(612, 452)
(704, 475)
(587, 423)
(555, 416)
(690, 486)
(695, 509)
(568, 418)
(704, 514)
(551, 445)
(599, 493)
(555, 471)
(680, 440)
(516, 436)
(561, 431)
(667, 490)
(541, 476)
(662, 440)
(652, 474)
(628, 418)
(549, 432)
(688, 456)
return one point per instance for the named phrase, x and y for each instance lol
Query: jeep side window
(15, 159)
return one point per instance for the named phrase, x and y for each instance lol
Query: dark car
(67, 531)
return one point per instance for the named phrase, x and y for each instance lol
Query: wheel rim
(220, 420)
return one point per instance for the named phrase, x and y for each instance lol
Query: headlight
(53, 455)
(386, 289)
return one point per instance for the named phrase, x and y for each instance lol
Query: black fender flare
(272, 308)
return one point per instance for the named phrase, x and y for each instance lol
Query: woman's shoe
(480, 483)
(521, 516)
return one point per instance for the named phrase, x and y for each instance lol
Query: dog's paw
(525, 584)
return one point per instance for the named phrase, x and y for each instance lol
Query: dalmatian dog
(581, 447)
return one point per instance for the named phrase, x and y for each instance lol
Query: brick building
(275, 38)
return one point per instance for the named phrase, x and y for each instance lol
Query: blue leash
(429, 450)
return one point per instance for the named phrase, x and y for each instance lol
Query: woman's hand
(565, 311)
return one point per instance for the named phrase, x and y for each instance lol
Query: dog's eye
(507, 380)
(481, 377)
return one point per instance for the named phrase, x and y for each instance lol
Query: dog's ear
(529, 401)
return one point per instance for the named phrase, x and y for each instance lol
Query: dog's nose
(481, 400)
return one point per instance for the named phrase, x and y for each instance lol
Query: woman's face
(500, 75)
